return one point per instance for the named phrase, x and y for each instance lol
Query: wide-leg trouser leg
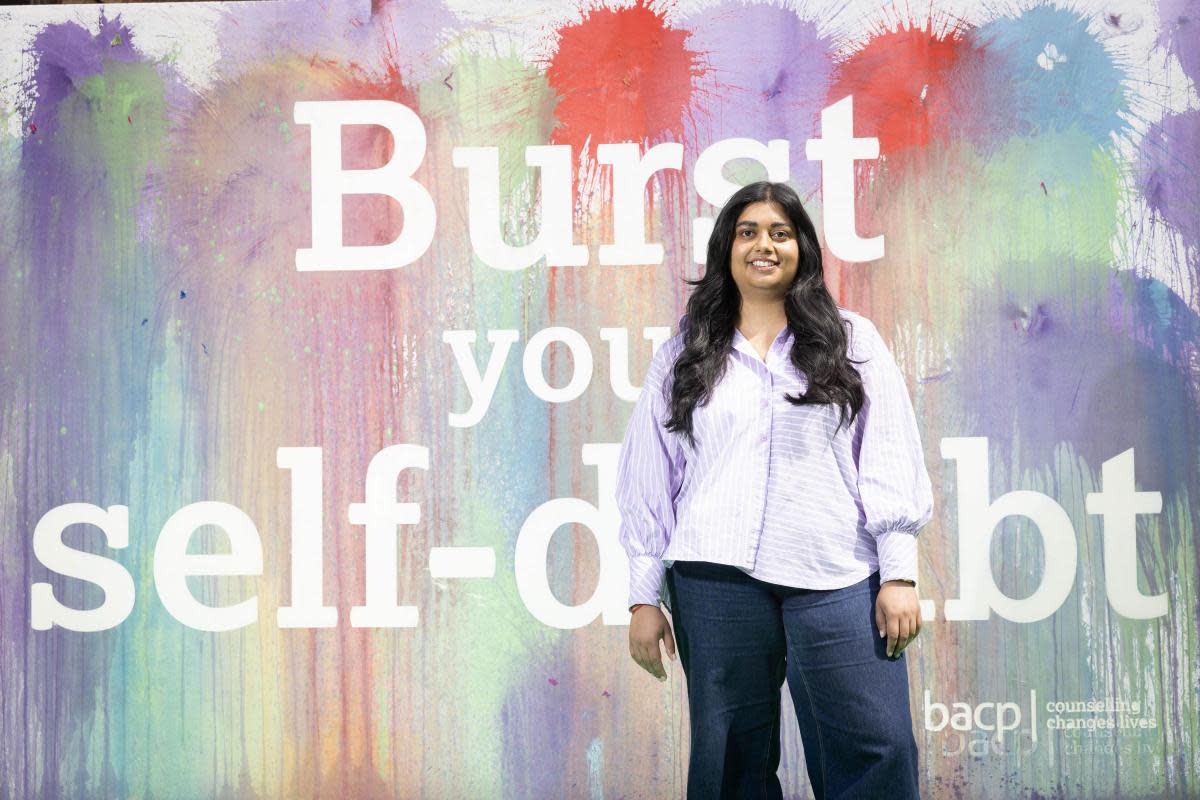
(851, 699)
(731, 644)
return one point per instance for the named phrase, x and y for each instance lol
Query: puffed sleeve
(649, 474)
(893, 484)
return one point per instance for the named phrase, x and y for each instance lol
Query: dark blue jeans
(738, 638)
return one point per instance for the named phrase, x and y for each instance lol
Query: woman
(771, 485)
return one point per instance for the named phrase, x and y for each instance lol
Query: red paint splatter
(387, 84)
(366, 147)
(32, 127)
(129, 119)
(904, 84)
(553, 682)
(621, 75)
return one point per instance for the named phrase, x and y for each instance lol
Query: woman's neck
(761, 319)
(761, 324)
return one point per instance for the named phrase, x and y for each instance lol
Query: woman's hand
(649, 625)
(897, 615)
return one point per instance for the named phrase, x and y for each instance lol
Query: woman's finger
(905, 635)
(649, 663)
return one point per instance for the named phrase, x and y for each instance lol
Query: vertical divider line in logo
(1033, 714)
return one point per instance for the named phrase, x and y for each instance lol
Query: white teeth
(762, 263)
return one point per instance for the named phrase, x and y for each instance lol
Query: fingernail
(881, 634)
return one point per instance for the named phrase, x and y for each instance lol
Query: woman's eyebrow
(773, 226)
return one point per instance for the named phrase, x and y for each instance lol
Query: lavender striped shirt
(769, 488)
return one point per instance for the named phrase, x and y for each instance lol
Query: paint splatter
(763, 72)
(621, 75)
(1083, 87)
(1170, 173)
(1180, 33)
(943, 95)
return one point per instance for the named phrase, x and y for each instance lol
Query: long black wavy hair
(820, 343)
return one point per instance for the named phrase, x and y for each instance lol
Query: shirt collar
(782, 342)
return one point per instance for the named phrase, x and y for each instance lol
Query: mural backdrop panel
(321, 323)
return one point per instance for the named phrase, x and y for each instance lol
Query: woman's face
(765, 252)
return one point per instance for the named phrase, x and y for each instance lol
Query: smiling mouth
(763, 264)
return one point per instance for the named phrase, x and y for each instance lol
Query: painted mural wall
(293, 508)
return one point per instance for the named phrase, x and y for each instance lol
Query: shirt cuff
(646, 575)
(897, 552)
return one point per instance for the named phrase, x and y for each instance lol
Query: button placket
(765, 450)
(765, 409)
